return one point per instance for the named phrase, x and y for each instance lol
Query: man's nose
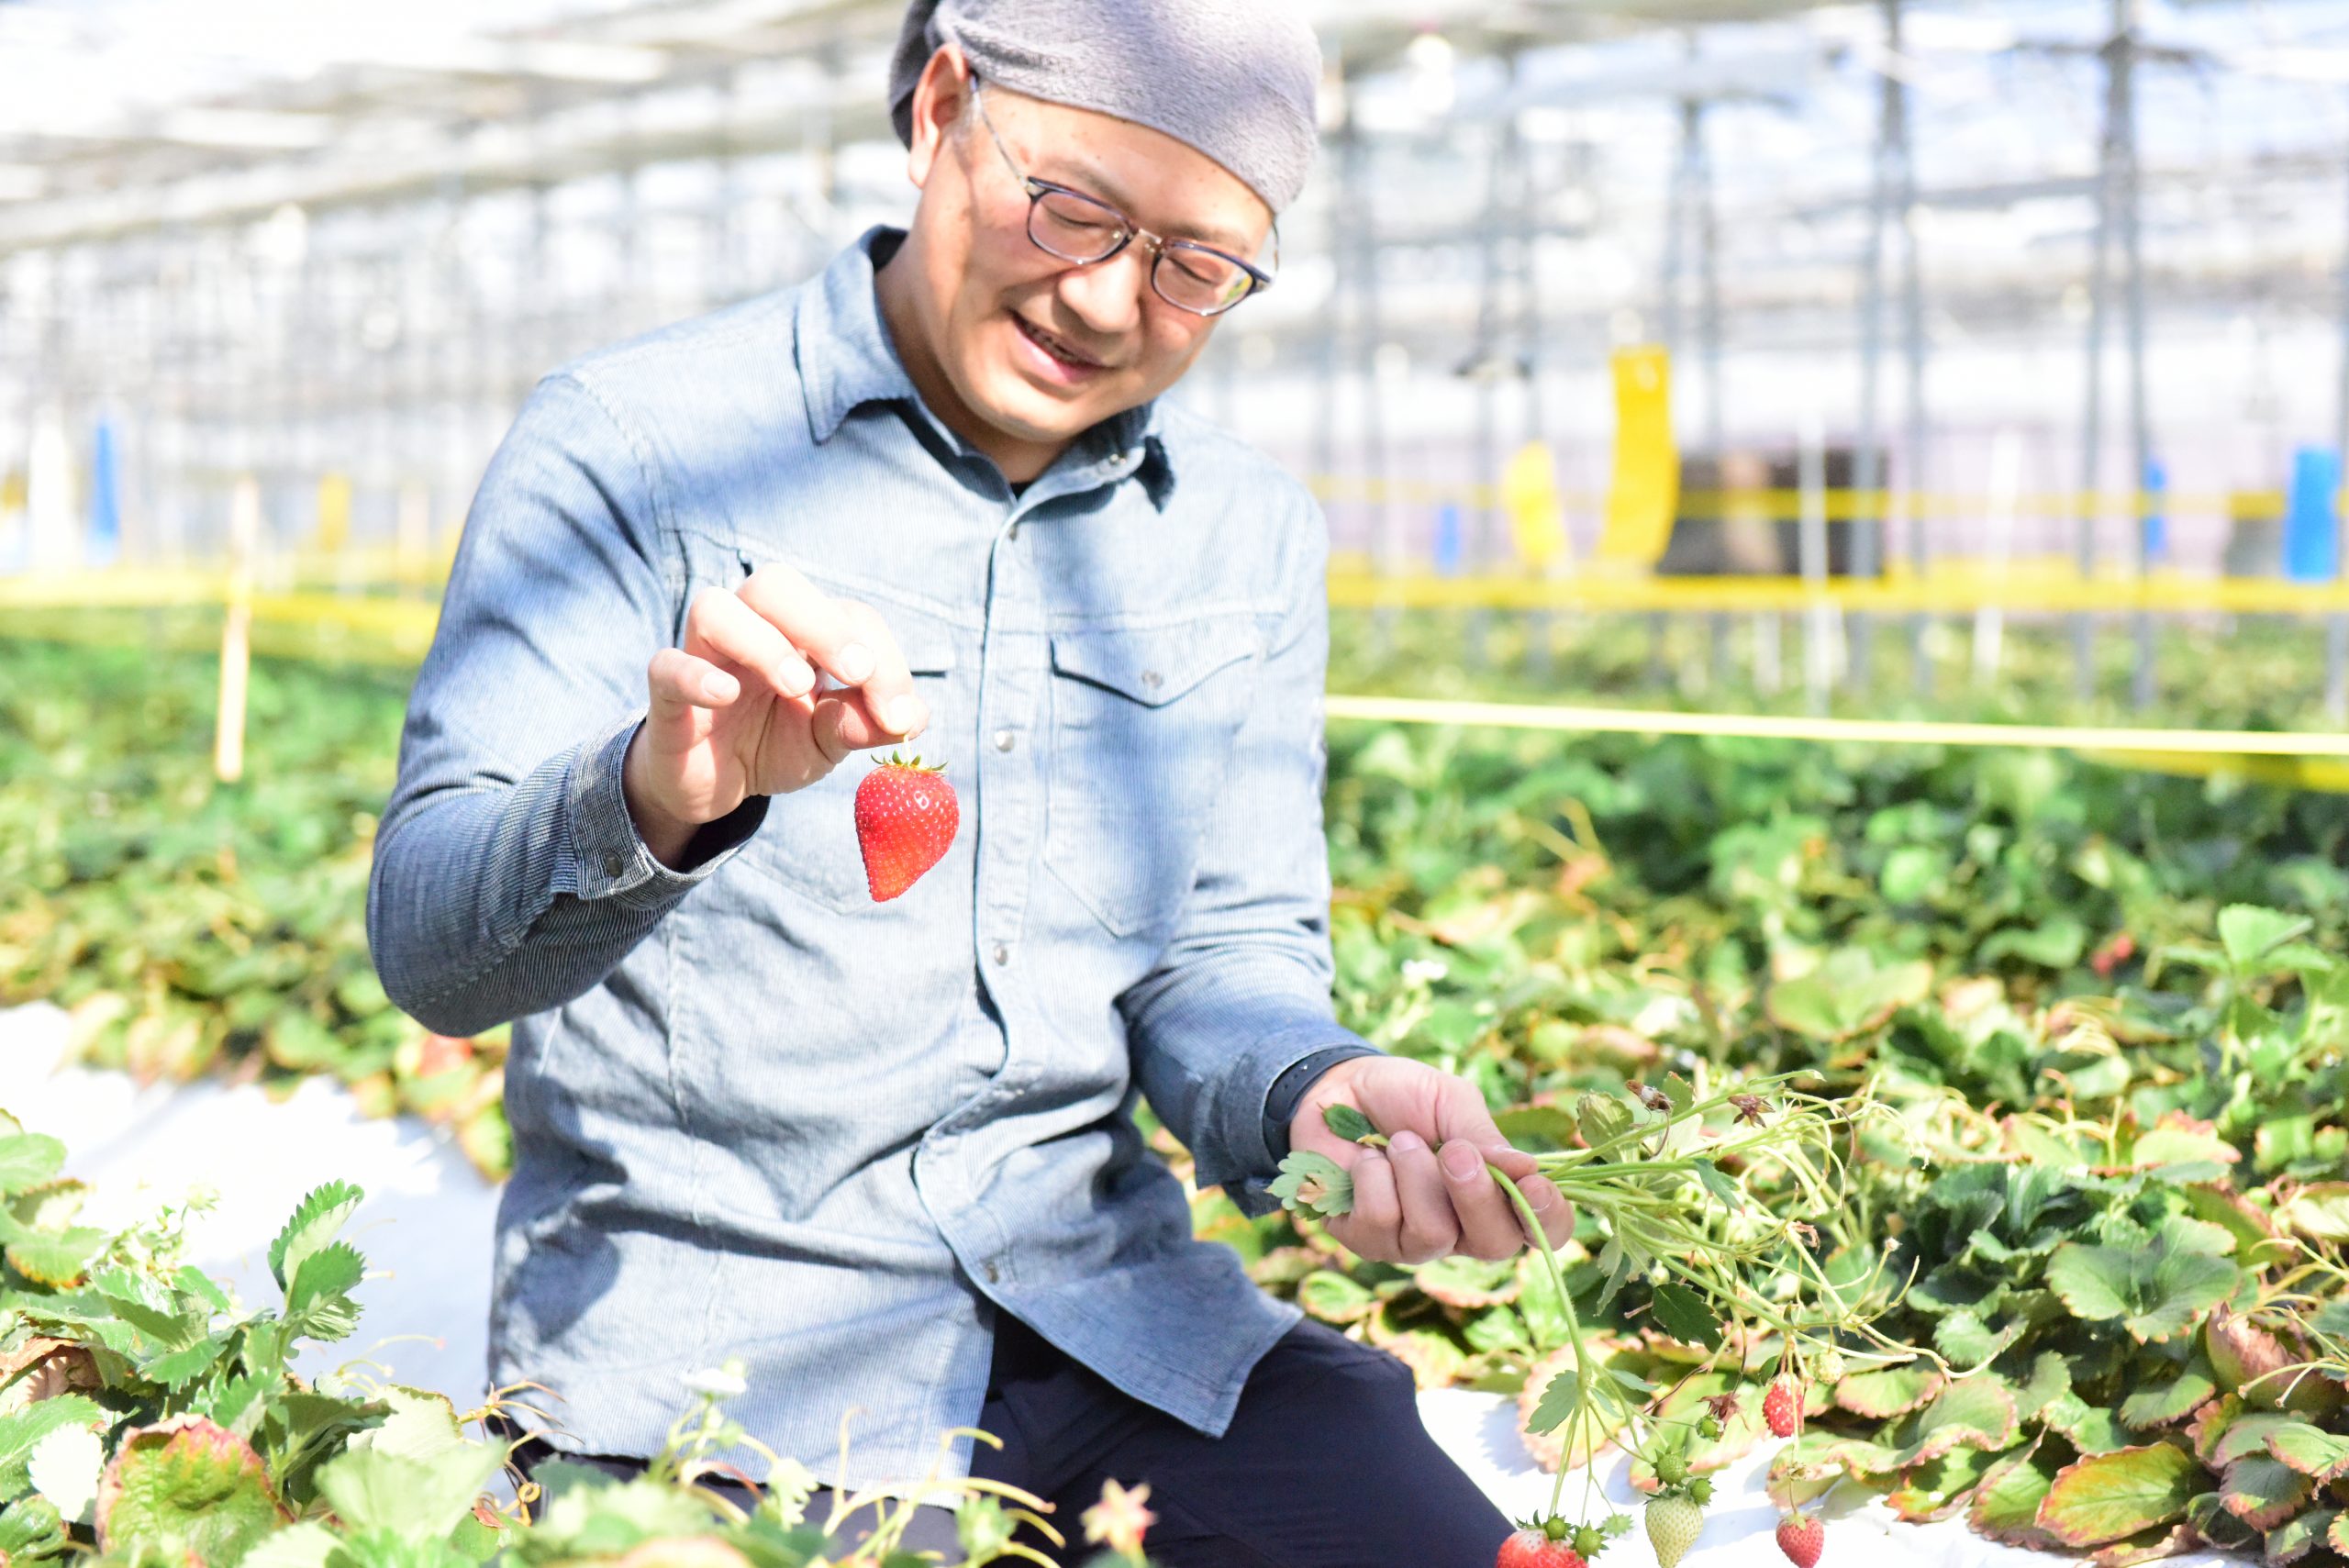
(1107, 295)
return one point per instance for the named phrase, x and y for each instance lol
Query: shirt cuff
(609, 858)
(1280, 1054)
(1289, 1089)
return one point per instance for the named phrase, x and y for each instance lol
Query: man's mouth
(1059, 349)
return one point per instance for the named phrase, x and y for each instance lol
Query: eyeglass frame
(1259, 280)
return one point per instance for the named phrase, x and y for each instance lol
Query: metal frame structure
(287, 264)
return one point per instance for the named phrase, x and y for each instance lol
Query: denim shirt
(756, 1114)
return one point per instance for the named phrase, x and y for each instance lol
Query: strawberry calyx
(913, 764)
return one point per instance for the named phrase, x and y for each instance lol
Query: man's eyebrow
(1087, 179)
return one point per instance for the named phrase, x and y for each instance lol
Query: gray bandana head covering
(1234, 78)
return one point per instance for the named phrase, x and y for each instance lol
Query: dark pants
(1325, 1465)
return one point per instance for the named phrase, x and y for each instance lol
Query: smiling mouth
(1057, 347)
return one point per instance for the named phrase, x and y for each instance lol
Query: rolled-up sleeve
(1241, 993)
(508, 876)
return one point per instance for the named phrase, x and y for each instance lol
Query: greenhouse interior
(1747, 625)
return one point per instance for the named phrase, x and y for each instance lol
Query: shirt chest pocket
(809, 840)
(1142, 723)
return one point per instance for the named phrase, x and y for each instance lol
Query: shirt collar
(846, 360)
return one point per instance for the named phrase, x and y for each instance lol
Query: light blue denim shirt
(756, 1114)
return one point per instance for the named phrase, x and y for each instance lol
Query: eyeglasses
(1073, 227)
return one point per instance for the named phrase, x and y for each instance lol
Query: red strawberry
(1532, 1547)
(1801, 1537)
(906, 817)
(441, 1053)
(1782, 1406)
(2118, 949)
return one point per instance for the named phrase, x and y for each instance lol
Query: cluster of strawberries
(1676, 1513)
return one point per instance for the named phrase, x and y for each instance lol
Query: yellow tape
(1959, 591)
(1872, 731)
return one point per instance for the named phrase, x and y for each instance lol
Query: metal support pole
(1867, 457)
(1912, 325)
(2140, 434)
(1357, 198)
(1485, 365)
(2336, 638)
(1537, 623)
(1679, 201)
(2084, 543)
(1708, 336)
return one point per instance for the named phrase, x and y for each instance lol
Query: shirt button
(614, 865)
(1004, 739)
(1152, 678)
(1001, 954)
(994, 1274)
(1011, 532)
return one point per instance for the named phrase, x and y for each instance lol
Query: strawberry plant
(149, 1416)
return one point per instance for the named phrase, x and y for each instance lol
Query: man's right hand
(737, 711)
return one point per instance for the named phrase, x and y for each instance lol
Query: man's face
(1034, 347)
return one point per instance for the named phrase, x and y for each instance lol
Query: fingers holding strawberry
(738, 709)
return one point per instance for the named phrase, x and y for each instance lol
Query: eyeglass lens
(1077, 228)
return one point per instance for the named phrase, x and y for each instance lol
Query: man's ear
(940, 96)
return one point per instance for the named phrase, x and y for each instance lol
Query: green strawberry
(1673, 1521)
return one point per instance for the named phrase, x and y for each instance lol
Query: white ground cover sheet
(425, 1229)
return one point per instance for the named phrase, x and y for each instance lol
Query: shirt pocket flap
(1155, 665)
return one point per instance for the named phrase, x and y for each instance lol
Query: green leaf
(2156, 1291)
(2109, 1496)
(28, 1159)
(318, 1302)
(314, 1223)
(2299, 1536)
(1676, 1090)
(1889, 1391)
(1682, 1313)
(2262, 1492)
(2165, 1404)
(176, 1369)
(2091, 1429)
(2249, 933)
(2309, 1450)
(1334, 1298)
(1559, 1398)
(2057, 942)
(1849, 994)
(186, 1488)
(2050, 1380)
(1972, 1413)
(415, 1498)
(1537, 1128)
(1314, 1183)
(2319, 1211)
(1348, 1123)
(1601, 1118)
(2006, 1505)
(56, 1259)
(422, 1425)
(1940, 1486)
(1716, 1181)
(31, 1527)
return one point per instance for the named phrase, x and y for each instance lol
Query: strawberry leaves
(2157, 1285)
(2112, 1497)
(1311, 1183)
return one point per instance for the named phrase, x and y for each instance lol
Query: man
(882, 1153)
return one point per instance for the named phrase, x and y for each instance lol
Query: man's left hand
(1427, 1194)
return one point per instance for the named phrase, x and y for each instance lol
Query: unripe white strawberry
(1674, 1523)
